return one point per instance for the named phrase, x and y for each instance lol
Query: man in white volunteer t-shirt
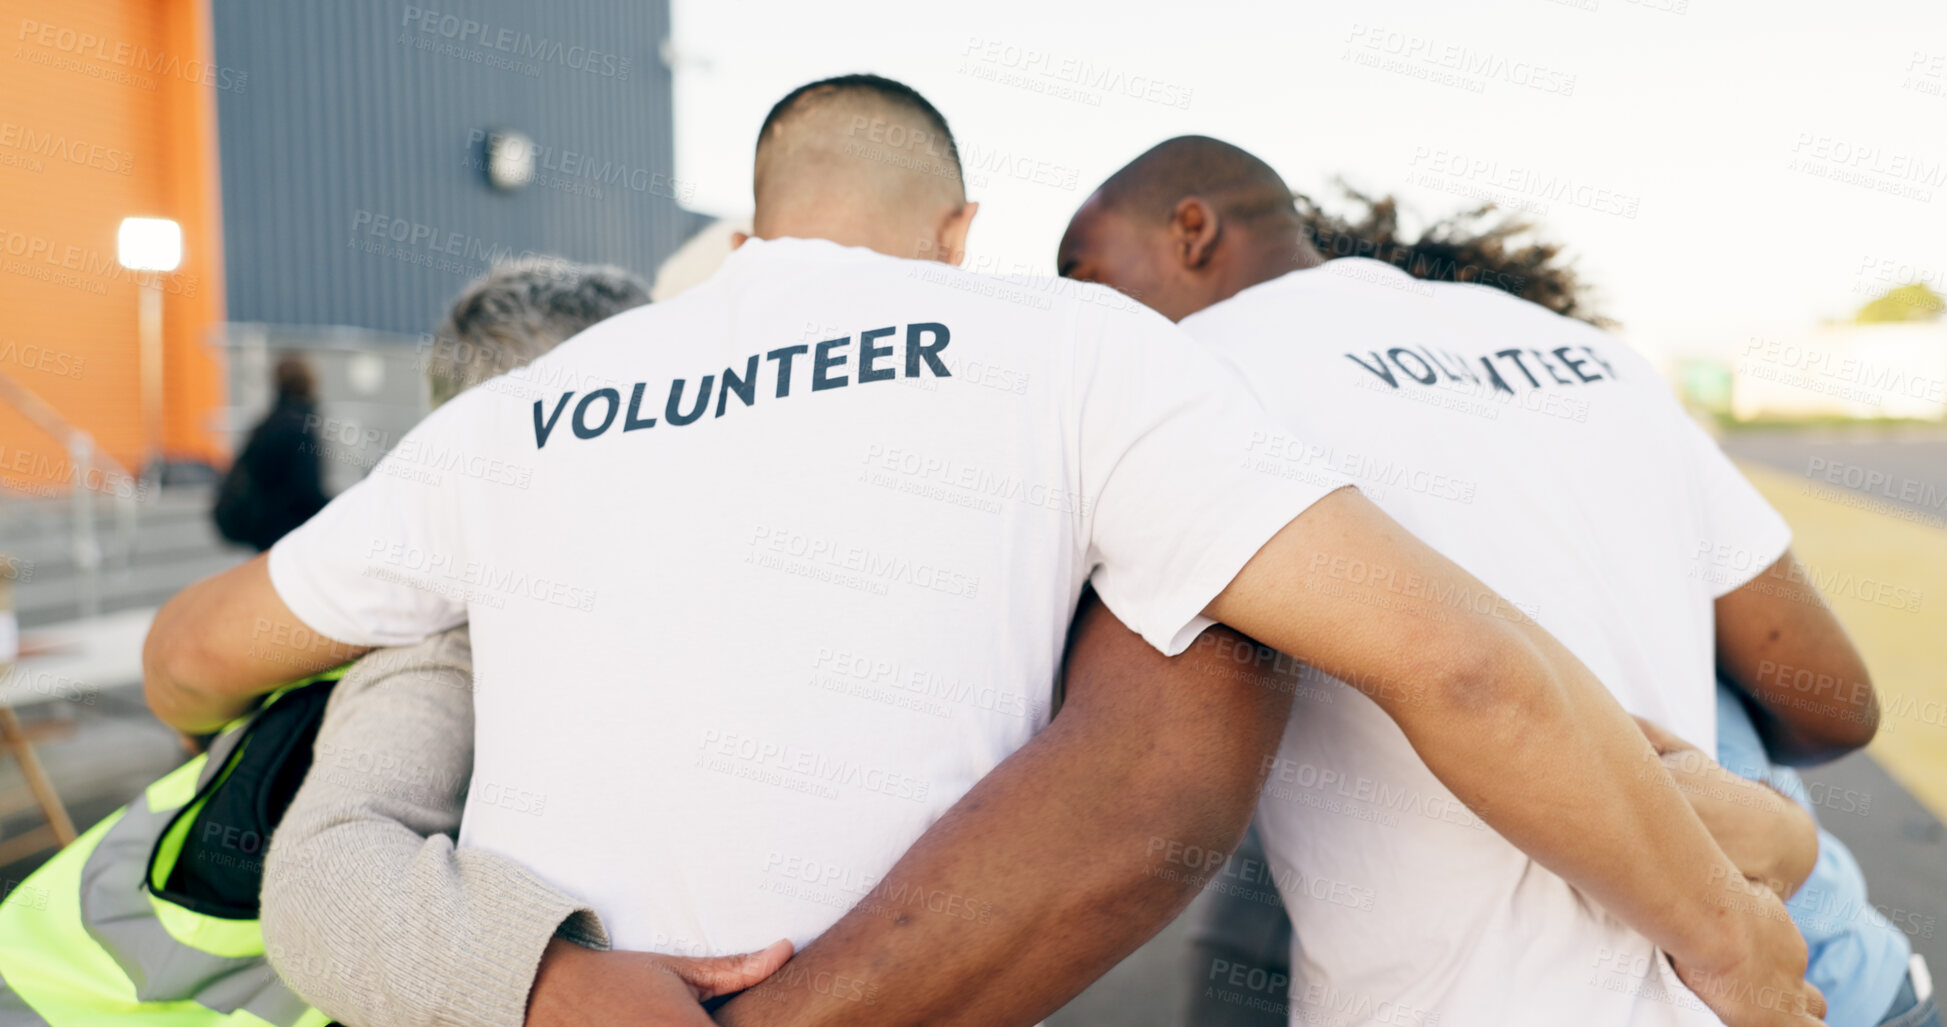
(663, 529)
(1541, 455)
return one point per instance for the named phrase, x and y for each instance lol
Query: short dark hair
(293, 378)
(898, 93)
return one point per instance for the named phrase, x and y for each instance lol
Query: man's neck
(880, 238)
(1266, 259)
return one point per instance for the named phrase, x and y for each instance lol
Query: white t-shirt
(1555, 465)
(735, 654)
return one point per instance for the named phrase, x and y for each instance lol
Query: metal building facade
(353, 179)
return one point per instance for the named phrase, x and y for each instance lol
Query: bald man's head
(862, 160)
(1235, 182)
(1187, 224)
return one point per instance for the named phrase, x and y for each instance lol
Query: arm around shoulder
(1521, 732)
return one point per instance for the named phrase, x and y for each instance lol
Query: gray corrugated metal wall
(358, 115)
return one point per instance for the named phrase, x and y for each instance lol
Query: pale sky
(1782, 161)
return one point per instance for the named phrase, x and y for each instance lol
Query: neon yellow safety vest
(118, 928)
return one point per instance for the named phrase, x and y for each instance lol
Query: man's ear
(952, 243)
(1194, 230)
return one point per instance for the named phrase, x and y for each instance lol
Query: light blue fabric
(1859, 959)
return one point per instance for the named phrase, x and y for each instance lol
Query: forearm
(1050, 908)
(1506, 716)
(1525, 735)
(1590, 799)
(1055, 866)
(1772, 839)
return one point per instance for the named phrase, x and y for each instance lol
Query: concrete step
(38, 529)
(173, 544)
(147, 582)
(50, 552)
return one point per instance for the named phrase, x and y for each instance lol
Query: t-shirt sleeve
(1741, 532)
(383, 563)
(1172, 445)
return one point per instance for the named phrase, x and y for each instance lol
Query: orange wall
(107, 110)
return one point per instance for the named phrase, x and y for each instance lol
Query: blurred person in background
(277, 482)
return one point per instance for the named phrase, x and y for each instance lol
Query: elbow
(1487, 680)
(171, 663)
(1859, 729)
(164, 667)
(1807, 742)
(1856, 722)
(1852, 733)
(163, 687)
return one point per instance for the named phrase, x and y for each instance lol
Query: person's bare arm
(219, 644)
(1780, 644)
(1525, 735)
(1770, 837)
(1073, 852)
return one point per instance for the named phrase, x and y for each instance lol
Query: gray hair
(520, 310)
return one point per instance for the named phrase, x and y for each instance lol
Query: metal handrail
(83, 455)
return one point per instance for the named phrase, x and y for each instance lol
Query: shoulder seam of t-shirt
(1777, 541)
(304, 599)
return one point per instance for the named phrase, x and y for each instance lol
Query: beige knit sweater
(369, 911)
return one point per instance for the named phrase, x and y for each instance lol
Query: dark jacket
(276, 483)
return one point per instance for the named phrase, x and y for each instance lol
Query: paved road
(1910, 463)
